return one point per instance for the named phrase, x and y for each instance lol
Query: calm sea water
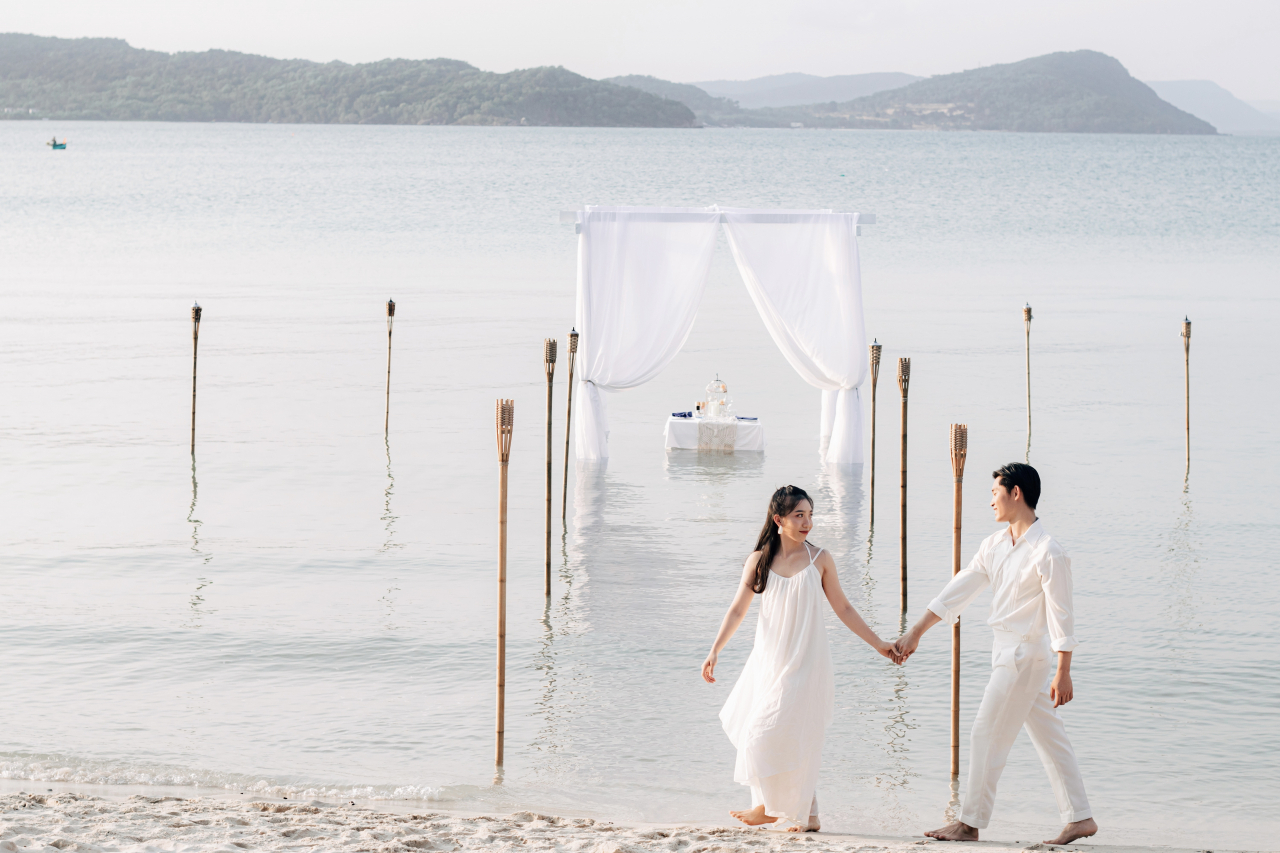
(310, 607)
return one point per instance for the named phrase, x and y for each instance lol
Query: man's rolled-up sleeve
(962, 589)
(1055, 580)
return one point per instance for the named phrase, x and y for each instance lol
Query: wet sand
(87, 823)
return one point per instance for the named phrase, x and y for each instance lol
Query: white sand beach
(86, 823)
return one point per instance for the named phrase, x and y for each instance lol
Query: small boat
(56, 145)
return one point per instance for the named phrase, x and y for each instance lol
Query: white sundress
(778, 712)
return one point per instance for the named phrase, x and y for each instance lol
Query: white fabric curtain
(641, 274)
(801, 269)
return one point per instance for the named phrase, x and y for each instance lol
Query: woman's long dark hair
(782, 503)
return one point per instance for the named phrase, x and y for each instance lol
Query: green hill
(107, 79)
(1079, 92)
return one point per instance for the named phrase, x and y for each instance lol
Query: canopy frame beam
(570, 217)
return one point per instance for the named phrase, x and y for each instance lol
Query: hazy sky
(1232, 42)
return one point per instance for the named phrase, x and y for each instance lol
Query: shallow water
(310, 607)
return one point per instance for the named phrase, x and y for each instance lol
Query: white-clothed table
(641, 275)
(691, 434)
(1032, 617)
(778, 713)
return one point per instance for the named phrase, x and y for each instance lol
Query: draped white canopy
(641, 275)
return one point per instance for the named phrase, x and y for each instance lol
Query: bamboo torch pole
(195, 352)
(875, 376)
(506, 412)
(959, 450)
(1026, 322)
(568, 421)
(391, 315)
(549, 365)
(904, 380)
(1186, 374)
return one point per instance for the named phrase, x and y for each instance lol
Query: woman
(778, 712)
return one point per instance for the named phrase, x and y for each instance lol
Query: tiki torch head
(573, 341)
(549, 356)
(505, 418)
(1026, 313)
(1186, 329)
(959, 449)
(391, 308)
(195, 314)
(875, 360)
(904, 375)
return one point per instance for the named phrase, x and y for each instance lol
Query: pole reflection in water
(868, 581)
(897, 774)
(389, 519)
(563, 676)
(557, 623)
(897, 730)
(197, 611)
(1182, 565)
(839, 496)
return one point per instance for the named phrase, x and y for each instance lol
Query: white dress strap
(814, 556)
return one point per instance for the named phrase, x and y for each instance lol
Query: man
(1031, 614)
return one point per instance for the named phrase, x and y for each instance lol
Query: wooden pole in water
(549, 366)
(391, 315)
(1186, 373)
(959, 450)
(1026, 322)
(195, 352)
(904, 380)
(505, 418)
(568, 421)
(875, 376)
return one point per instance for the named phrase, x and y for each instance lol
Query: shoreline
(124, 818)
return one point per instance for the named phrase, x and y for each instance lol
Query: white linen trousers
(1018, 695)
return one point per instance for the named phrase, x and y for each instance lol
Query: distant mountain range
(1081, 91)
(108, 79)
(1209, 101)
(1078, 92)
(692, 96)
(791, 90)
(1271, 108)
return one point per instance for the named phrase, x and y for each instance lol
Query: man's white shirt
(1031, 587)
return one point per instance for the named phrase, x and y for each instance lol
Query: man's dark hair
(1022, 476)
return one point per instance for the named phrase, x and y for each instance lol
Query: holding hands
(889, 650)
(905, 646)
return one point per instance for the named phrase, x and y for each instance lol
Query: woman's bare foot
(955, 832)
(813, 825)
(1072, 831)
(754, 817)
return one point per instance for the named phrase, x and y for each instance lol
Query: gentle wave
(66, 770)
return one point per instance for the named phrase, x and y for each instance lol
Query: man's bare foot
(1072, 831)
(754, 817)
(812, 826)
(955, 832)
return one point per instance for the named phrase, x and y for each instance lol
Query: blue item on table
(742, 418)
(682, 414)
